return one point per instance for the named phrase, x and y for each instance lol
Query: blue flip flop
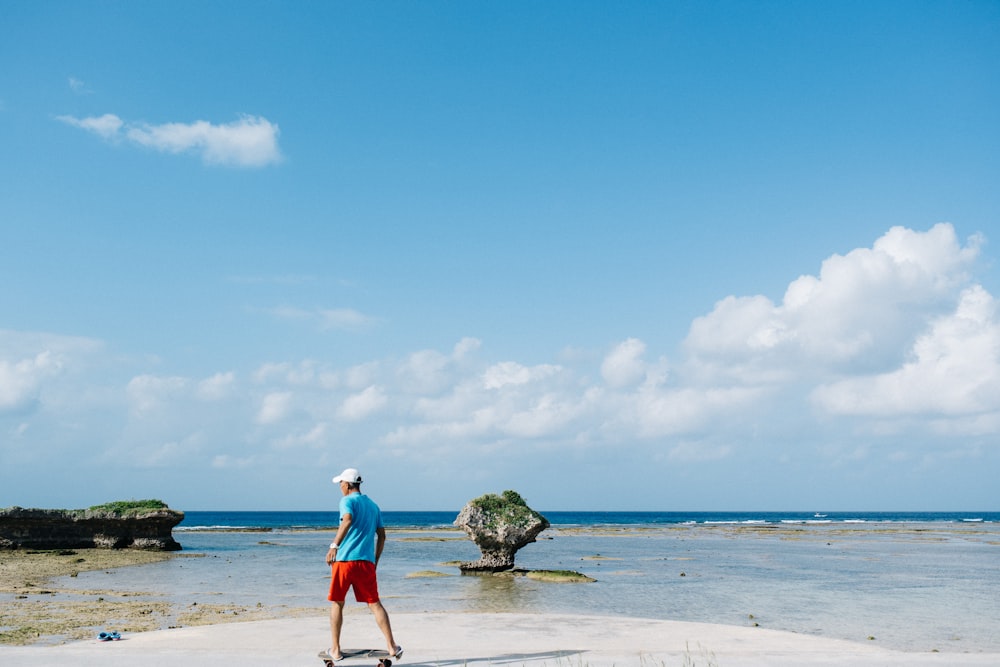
(104, 637)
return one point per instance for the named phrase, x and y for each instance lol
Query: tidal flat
(35, 608)
(927, 586)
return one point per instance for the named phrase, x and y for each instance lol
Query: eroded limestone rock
(499, 525)
(147, 528)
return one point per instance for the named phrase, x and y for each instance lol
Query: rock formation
(499, 525)
(114, 526)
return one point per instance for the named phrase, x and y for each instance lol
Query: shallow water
(915, 587)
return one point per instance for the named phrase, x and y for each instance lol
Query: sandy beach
(430, 639)
(534, 640)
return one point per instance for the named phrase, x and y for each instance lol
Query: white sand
(453, 639)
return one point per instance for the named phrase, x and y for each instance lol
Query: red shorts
(359, 574)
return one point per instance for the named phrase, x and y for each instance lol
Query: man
(353, 557)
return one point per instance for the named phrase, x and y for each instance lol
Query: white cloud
(21, 381)
(361, 375)
(216, 387)
(624, 365)
(305, 373)
(510, 373)
(428, 372)
(106, 127)
(954, 369)
(326, 319)
(274, 407)
(862, 310)
(251, 141)
(546, 415)
(314, 437)
(343, 318)
(362, 405)
(425, 372)
(506, 400)
(890, 352)
(465, 347)
(78, 86)
(657, 412)
(149, 392)
(165, 454)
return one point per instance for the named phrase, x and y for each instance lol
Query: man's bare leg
(382, 619)
(336, 623)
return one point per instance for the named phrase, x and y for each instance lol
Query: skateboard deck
(384, 659)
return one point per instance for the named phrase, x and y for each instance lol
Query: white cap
(351, 476)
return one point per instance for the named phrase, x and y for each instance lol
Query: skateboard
(384, 659)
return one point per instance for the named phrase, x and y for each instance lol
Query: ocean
(909, 581)
(313, 520)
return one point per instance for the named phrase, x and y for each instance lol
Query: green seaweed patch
(599, 557)
(426, 574)
(559, 576)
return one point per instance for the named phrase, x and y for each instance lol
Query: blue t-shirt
(366, 519)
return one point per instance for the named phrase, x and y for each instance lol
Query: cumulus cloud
(953, 369)
(362, 405)
(250, 141)
(147, 393)
(859, 314)
(430, 372)
(21, 381)
(624, 365)
(274, 407)
(511, 373)
(34, 366)
(216, 387)
(505, 400)
(893, 339)
(657, 412)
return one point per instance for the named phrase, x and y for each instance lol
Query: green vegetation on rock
(509, 508)
(129, 507)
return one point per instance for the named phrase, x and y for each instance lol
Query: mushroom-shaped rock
(499, 525)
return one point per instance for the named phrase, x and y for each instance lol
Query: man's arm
(379, 542)
(345, 523)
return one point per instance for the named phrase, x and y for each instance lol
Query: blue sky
(682, 255)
